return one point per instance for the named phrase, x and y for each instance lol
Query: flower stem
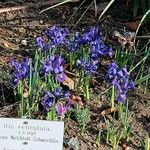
(87, 88)
(120, 110)
(113, 97)
(22, 105)
(87, 92)
(70, 60)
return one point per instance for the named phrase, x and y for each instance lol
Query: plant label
(29, 134)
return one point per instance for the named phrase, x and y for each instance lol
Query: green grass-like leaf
(145, 78)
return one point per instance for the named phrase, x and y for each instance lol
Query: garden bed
(92, 122)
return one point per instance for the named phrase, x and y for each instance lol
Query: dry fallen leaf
(69, 82)
(138, 17)
(133, 25)
(125, 40)
(107, 111)
(76, 99)
(116, 35)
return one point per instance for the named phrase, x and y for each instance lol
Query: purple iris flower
(54, 65)
(58, 92)
(121, 81)
(57, 65)
(106, 50)
(42, 44)
(67, 95)
(15, 79)
(91, 35)
(61, 109)
(98, 49)
(121, 97)
(88, 66)
(60, 77)
(74, 44)
(21, 70)
(46, 67)
(112, 71)
(61, 94)
(123, 72)
(57, 35)
(48, 100)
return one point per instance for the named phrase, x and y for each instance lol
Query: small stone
(24, 42)
(73, 143)
(41, 21)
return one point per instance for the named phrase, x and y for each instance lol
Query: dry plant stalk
(28, 5)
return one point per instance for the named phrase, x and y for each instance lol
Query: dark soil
(24, 25)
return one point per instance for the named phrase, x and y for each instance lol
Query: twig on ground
(143, 37)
